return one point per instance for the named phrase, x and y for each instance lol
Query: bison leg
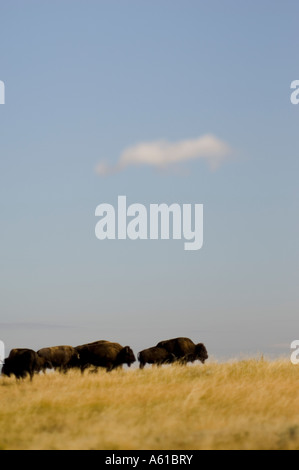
(184, 360)
(114, 367)
(83, 368)
(156, 364)
(109, 367)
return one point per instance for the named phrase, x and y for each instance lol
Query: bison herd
(23, 362)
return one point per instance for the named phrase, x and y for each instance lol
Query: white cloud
(163, 154)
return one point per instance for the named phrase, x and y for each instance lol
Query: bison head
(126, 356)
(201, 352)
(42, 364)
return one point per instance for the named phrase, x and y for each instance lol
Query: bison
(104, 354)
(185, 350)
(156, 356)
(62, 358)
(23, 362)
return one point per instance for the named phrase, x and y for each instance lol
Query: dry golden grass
(250, 404)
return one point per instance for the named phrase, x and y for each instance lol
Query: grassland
(250, 404)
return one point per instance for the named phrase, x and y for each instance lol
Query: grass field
(250, 404)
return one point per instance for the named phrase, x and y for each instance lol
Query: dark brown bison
(23, 362)
(104, 354)
(185, 350)
(62, 358)
(156, 356)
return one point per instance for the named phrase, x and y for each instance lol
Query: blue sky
(86, 80)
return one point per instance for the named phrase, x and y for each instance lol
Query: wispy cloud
(163, 154)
